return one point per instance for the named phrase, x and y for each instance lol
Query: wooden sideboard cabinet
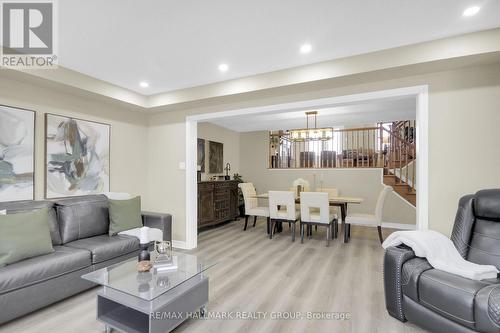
(217, 202)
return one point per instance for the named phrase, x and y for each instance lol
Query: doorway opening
(418, 173)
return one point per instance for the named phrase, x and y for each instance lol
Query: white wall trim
(179, 245)
(314, 103)
(191, 185)
(401, 175)
(420, 92)
(422, 170)
(389, 225)
(401, 226)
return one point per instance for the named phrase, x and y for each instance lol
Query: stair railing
(401, 153)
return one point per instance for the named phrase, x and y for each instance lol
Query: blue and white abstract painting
(77, 157)
(17, 139)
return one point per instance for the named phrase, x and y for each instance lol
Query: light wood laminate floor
(256, 274)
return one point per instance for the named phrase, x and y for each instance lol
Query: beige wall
(463, 134)
(166, 181)
(128, 158)
(365, 183)
(463, 137)
(231, 141)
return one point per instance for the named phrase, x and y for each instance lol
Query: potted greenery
(241, 201)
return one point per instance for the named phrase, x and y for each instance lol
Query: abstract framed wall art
(17, 154)
(77, 154)
(215, 157)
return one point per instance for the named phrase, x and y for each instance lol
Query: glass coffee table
(132, 301)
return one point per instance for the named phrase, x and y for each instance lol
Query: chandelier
(311, 134)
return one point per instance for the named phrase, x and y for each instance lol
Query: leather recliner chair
(444, 302)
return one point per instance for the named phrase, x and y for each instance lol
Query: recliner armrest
(394, 259)
(159, 221)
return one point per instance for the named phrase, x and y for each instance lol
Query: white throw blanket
(440, 253)
(145, 234)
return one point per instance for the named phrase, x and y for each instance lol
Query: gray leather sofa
(79, 231)
(443, 302)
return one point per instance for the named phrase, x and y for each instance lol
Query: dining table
(341, 202)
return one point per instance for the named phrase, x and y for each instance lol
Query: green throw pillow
(124, 215)
(24, 235)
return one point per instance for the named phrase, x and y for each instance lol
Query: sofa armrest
(394, 259)
(159, 221)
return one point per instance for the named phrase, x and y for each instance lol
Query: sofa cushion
(82, 217)
(484, 242)
(487, 204)
(124, 215)
(38, 269)
(449, 295)
(106, 247)
(24, 235)
(484, 246)
(29, 206)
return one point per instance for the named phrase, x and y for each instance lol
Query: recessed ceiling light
(471, 11)
(144, 84)
(305, 48)
(223, 67)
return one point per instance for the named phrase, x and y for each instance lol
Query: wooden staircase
(402, 188)
(400, 158)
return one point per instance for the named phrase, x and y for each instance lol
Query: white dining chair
(332, 193)
(310, 202)
(371, 219)
(252, 207)
(282, 209)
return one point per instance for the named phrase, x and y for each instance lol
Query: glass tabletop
(124, 276)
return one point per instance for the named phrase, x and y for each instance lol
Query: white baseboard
(390, 225)
(401, 226)
(179, 244)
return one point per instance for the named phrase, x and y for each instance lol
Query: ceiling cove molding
(463, 46)
(81, 81)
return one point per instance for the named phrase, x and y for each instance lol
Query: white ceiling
(178, 44)
(346, 115)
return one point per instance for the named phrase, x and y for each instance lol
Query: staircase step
(410, 197)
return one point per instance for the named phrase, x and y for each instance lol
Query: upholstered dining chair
(277, 201)
(372, 219)
(252, 207)
(332, 192)
(309, 217)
